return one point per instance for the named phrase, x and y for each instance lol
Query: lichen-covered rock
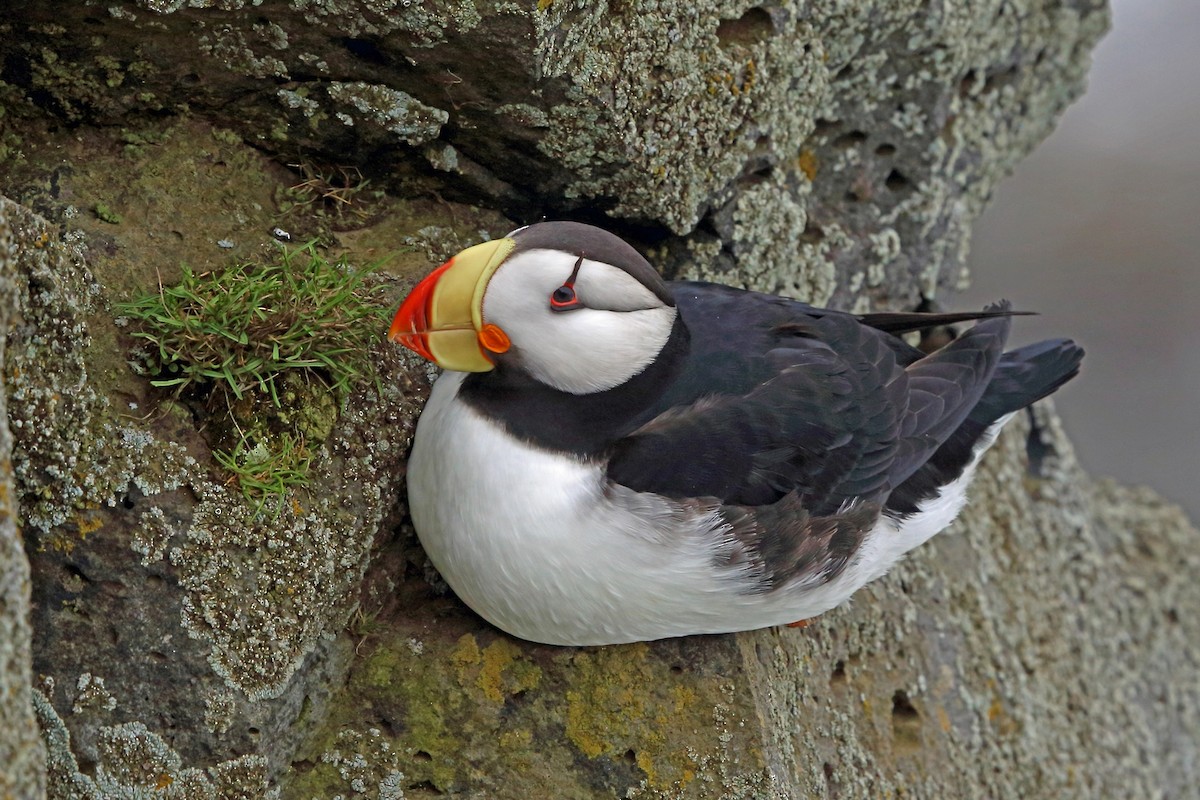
(1035, 650)
(457, 709)
(21, 750)
(186, 647)
(790, 140)
(1038, 649)
(134, 763)
(162, 596)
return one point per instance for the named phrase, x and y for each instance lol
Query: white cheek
(586, 350)
(579, 351)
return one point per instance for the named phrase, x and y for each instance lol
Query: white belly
(537, 544)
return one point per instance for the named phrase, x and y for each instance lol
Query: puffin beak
(442, 319)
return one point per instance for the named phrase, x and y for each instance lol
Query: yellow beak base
(442, 317)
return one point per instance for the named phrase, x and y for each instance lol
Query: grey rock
(1036, 649)
(155, 600)
(21, 750)
(877, 129)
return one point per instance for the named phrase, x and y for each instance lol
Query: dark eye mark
(563, 295)
(563, 298)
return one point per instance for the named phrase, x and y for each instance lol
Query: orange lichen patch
(735, 83)
(750, 76)
(998, 716)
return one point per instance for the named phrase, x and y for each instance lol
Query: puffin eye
(563, 298)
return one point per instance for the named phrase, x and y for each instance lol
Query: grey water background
(1099, 230)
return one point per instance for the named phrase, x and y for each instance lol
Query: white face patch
(616, 333)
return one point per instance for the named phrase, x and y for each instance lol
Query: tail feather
(898, 322)
(1026, 375)
(1022, 377)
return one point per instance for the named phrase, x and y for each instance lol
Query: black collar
(585, 425)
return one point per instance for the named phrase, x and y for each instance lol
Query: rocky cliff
(177, 641)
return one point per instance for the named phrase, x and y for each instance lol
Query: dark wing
(945, 387)
(1023, 377)
(752, 448)
(837, 420)
(823, 426)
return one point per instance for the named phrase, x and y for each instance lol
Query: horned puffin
(609, 457)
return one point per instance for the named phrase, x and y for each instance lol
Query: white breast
(540, 545)
(530, 540)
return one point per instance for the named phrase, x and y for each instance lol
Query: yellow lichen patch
(646, 764)
(685, 696)
(749, 78)
(464, 655)
(58, 542)
(496, 657)
(88, 523)
(1004, 724)
(497, 671)
(806, 162)
(619, 704)
(943, 719)
(608, 704)
(505, 672)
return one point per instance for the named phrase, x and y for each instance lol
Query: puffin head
(570, 304)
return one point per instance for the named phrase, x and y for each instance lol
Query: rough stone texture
(160, 597)
(21, 749)
(838, 152)
(1041, 648)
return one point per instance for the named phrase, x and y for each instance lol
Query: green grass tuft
(245, 337)
(267, 471)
